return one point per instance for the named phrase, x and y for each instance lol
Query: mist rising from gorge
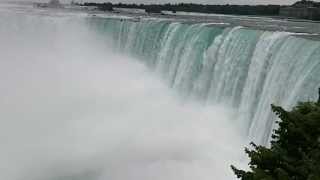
(73, 109)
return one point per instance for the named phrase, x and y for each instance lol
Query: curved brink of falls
(238, 67)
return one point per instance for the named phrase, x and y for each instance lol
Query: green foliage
(295, 149)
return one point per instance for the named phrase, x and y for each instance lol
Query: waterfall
(242, 68)
(98, 98)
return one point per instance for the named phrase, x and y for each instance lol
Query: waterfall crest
(235, 66)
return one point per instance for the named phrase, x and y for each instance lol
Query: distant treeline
(301, 8)
(306, 3)
(100, 6)
(190, 7)
(221, 9)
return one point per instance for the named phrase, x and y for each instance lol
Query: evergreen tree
(295, 149)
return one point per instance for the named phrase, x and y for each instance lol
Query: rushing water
(87, 98)
(241, 68)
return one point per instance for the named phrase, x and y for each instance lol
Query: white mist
(72, 109)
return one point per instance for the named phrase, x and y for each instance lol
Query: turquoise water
(244, 69)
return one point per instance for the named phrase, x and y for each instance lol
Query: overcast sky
(206, 1)
(188, 1)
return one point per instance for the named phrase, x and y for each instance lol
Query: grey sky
(205, 1)
(283, 2)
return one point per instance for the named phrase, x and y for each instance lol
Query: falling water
(244, 69)
(95, 98)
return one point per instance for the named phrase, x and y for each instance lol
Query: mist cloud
(72, 109)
